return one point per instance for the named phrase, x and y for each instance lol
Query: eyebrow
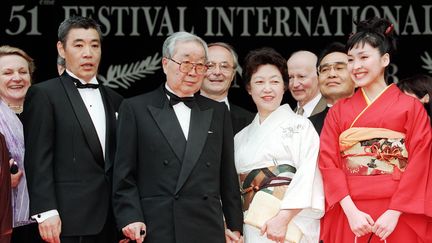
(330, 63)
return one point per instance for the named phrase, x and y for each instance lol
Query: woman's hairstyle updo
(263, 56)
(377, 32)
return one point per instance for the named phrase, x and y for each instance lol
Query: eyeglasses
(223, 67)
(186, 66)
(337, 67)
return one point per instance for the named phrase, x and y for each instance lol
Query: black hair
(377, 32)
(332, 47)
(77, 22)
(263, 56)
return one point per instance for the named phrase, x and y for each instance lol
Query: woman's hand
(386, 223)
(276, 227)
(360, 222)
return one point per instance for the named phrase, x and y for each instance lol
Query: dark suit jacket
(64, 163)
(322, 105)
(179, 190)
(240, 117)
(318, 120)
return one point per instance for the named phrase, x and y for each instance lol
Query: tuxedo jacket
(180, 190)
(64, 162)
(240, 117)
(318, 120)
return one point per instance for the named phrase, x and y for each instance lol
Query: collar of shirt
(308, 108)
(92, 81)
(226, 102)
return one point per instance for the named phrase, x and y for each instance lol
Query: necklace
(18, 109)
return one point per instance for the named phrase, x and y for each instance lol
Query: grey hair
(170, 42)
(230, 49)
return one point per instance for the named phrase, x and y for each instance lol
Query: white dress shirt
(183, 114)
(308, 108)
(92, 99)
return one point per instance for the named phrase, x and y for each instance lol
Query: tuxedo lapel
(110, 121)
(83, 118)
(198, 132)
(165, 117)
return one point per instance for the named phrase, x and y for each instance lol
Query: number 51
(22, 21)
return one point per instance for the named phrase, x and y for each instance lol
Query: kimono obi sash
(373, 151)
(273, 180)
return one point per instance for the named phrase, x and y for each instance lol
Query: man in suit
(303, 83)
(69, 129)
(174, 174)
(222, 64)
(334, 79)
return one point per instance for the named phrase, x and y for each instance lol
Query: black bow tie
(174, 99)
(80, 85)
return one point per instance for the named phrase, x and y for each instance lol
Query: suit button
(165, 162)
(205, 197)
(176, 197)
(208, 164)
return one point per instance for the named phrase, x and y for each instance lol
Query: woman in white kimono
(277, 153)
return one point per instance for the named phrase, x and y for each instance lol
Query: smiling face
(366, 65)
(82, 52)
(334, 79)
(267, 89)
(184, 84)
(218, 78)
(14, 79)
(303, 80)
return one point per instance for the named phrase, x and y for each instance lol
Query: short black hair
(263, 56)
(77, 22)
(332, 47)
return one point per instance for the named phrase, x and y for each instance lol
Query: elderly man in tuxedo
(222, 66)
(69, 131)
(174, 174)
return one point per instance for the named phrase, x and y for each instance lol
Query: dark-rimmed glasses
(186, 66)
(336, 66)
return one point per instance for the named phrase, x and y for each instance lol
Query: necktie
(80, 85)
(300, 111)
(174, 99)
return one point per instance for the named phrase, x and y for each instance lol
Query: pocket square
(210, 132)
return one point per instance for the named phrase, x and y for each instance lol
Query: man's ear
(164, 64)
(60, 49)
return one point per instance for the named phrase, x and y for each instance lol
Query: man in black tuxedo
(69, 128)
(174, 173)
(222, 65)
(334, 79)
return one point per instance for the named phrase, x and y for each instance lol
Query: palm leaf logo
(427, 61)
(124, 75)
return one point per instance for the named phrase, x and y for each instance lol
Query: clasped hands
(362, 223)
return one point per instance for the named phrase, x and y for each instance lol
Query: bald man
(303, 83)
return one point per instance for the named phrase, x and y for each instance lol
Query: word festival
(233, 21)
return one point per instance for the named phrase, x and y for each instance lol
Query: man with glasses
(222, 65)
(334, 79)
(174, 174)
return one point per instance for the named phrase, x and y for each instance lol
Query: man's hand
(50, 229)
(233, 236)
(135, 231)
(15, 178)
